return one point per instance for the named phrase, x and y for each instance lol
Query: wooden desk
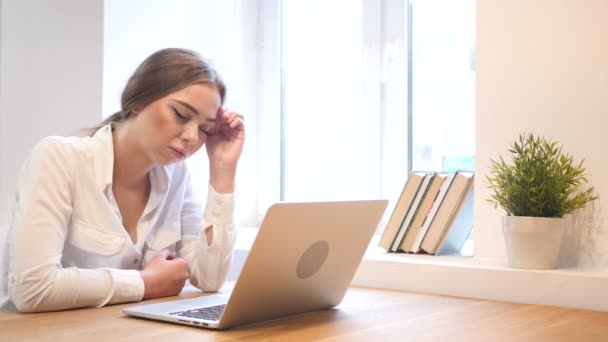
(364, 315)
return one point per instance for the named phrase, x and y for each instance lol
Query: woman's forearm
(222, 178)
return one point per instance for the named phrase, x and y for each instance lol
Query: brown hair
(162, 73)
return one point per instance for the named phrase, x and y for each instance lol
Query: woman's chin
(164, 160)
(169, 162)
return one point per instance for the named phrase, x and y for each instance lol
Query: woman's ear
(135, 112)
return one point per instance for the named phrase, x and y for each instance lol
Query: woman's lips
(178, 152)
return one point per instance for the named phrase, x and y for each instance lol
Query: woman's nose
(190, 134)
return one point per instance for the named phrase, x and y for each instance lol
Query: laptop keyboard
(211, 313)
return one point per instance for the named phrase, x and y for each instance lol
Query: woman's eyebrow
(191, 108)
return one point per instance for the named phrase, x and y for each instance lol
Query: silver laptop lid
(303, 259)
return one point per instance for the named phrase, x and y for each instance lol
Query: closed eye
(184, 119)
(179, 116)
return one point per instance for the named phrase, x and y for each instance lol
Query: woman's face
(176, 126)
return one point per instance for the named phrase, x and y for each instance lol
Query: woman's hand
(164, 276)
(224, 148)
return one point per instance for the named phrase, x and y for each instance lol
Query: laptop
(303, 259)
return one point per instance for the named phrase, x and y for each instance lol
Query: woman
(113, 217)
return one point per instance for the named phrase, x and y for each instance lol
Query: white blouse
(67, 247)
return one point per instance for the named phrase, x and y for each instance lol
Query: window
(332, 121)
(344, 99)
(443, 84)
(348, 69)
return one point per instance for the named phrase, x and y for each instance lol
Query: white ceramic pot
(533, 242)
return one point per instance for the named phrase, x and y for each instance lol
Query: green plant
(541, 181)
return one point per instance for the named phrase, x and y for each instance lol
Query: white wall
(542, 67)
(219, 30)
(50, 77)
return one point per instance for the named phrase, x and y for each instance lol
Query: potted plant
(536, 190)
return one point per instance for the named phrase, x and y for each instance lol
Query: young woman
(113, 217)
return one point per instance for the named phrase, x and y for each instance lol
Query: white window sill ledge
(471, 277)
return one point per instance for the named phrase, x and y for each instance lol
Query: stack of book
(433, 215)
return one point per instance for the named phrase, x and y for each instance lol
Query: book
(449, 207)
(410, 214)
(401, 208)
(431, 215)
(459, 229)
(423, 210)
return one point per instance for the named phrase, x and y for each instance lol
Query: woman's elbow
(26, 308)
(24, 304)
(28, 298)
(209, 285)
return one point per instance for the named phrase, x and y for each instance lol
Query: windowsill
(472, 277)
